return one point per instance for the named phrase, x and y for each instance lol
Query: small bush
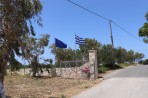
(123, 65)
(140, 62)
(145, 62)
(63, 96)
(102, 69)
(112, 66)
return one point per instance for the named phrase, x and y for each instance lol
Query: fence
(74, 69)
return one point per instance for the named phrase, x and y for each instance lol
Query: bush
(63, 96)
(112, 66)
(140, 62)
(102, 69)
(123, 65)
(145, 62)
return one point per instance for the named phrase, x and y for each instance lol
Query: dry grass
(18, 86)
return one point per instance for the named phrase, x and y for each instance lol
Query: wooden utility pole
(112, 42)
(111, 35)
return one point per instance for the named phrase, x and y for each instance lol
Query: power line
(126, 31)
(88, 10)
(105, 19)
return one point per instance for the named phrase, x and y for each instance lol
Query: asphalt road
(131, 82)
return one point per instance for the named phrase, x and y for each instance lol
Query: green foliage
(14, 64)
(138, 56)
(145, 62)
(35, 48)
(90, 44)
(51, 61)
(120, 55)
(123, 65)
(143, 31)
(141, 61)
(63, 54)
(15, 67)
(15, 25)
(17, 17)
(130, 56)
(102, 69)
(63, 96)
(146, 16)
(106, 55)
(79, 54)
(17, 32)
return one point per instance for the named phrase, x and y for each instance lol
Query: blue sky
(62, 20)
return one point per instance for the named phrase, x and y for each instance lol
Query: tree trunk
(2, 74)
(53, 72)
(34, 70)
(2, 70)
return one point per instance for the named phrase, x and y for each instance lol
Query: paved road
(125, 83)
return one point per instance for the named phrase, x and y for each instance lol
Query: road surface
(131, 82)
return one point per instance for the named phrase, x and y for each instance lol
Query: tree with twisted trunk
(15, 23)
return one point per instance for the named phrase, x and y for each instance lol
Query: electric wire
(88, 10)
(92, 12)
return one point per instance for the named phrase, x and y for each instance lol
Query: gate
(72, 69)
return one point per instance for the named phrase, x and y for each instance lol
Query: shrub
(140, 62)
(145, 62)
(63, 96)
(123, 65)
(102, 69)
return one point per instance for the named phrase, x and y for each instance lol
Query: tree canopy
(104, 53)
(143, 31)
(17, 17)
(35, 48)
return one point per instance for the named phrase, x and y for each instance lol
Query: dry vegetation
(18, 86)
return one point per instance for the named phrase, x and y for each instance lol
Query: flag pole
(75, 48)
(55, 48)
(55, 51)
(76, 57)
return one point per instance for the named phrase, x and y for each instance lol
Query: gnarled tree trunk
(2, 74)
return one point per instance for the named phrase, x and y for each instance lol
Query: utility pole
(112, 42)
(111, 35)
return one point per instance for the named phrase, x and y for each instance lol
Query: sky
(62, 20)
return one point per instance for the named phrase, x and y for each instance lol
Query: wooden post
(111, 35)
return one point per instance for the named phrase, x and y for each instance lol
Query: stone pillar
(93, 64)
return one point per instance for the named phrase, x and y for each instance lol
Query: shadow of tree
(8, 97)
(11, 97)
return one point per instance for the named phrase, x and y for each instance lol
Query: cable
(105, 19)
(125, 31)
(88, 10)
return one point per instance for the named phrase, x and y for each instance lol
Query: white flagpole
(75, 47)
(76, 57)
(55, 48)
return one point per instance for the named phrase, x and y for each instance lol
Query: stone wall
(87, 71)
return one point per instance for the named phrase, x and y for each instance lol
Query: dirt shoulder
(18, 86)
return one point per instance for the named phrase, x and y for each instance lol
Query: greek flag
(79, 40)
